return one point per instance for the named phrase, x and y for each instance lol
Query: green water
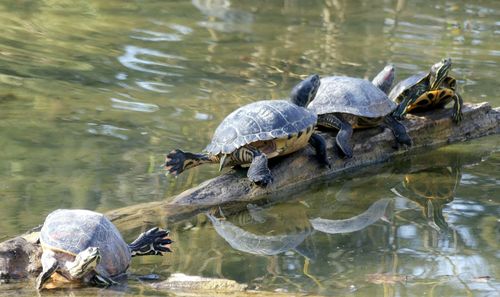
(94, 93)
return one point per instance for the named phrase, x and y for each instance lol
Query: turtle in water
(84, 246)
(258, 131)
(347, 103)
(424, 91)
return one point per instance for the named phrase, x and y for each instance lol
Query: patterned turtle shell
(259, 121)
(339, 94)
(408, 83)
(72, 231)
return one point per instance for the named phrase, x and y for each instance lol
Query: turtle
(83, 246)
(258, 131)
(347, 103)
(424, 91)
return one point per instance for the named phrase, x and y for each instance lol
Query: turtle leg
(319, 144)
(155, 241)
(99, 280)
(49, 264)
(398, 130)
(343, 137)
(402, 108)
(177, 161)
(259, 172)
(457, 108)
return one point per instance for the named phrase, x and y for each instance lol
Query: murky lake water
(94, 93)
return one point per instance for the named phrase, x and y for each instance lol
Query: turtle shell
(259, 121)
(72, 231)
(339, 94)
(405, 84)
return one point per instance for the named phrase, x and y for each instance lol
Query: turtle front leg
(457, 108)
(99, 280)
(402, 108)
(319, 144)
(398, 129)
(177, 161)
(259, 172)
(343, 138)
(49, 264)
(155, 241)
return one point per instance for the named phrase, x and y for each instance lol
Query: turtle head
(385, 78)
(304, 92)
(84, 262)
(439, 72)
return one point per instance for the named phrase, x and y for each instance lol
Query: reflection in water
(232, 19)
(375, 212)
(432, 189)
(273, 232)
(402, 251)
(65, 143)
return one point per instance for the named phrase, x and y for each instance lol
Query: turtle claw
(174, 162)
(404, 140)
(155, 241)
(262, 180)
(259, 172)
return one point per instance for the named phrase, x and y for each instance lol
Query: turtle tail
(155, 241)
(177, 161)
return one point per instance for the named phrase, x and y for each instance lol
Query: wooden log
(430, 129)
(233, 190)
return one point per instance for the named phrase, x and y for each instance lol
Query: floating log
(428, 130)
(232, 190)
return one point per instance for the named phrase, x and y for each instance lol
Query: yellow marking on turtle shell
(284, 146)
(364, 122)
(432, 98)
(358, 122)
(274, 147)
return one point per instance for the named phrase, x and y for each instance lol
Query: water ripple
(107, 130)
(155, 86)
(148, 35)
(134, 106)
(131, 60)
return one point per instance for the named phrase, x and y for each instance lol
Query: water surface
(93, 94)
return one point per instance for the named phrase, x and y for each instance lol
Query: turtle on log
(258, 131)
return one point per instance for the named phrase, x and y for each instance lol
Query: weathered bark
(233, 190)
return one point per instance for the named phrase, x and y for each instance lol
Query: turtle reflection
(265, 231)
(375, 212)
(431, 188)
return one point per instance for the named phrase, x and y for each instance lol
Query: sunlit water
(94, 93)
